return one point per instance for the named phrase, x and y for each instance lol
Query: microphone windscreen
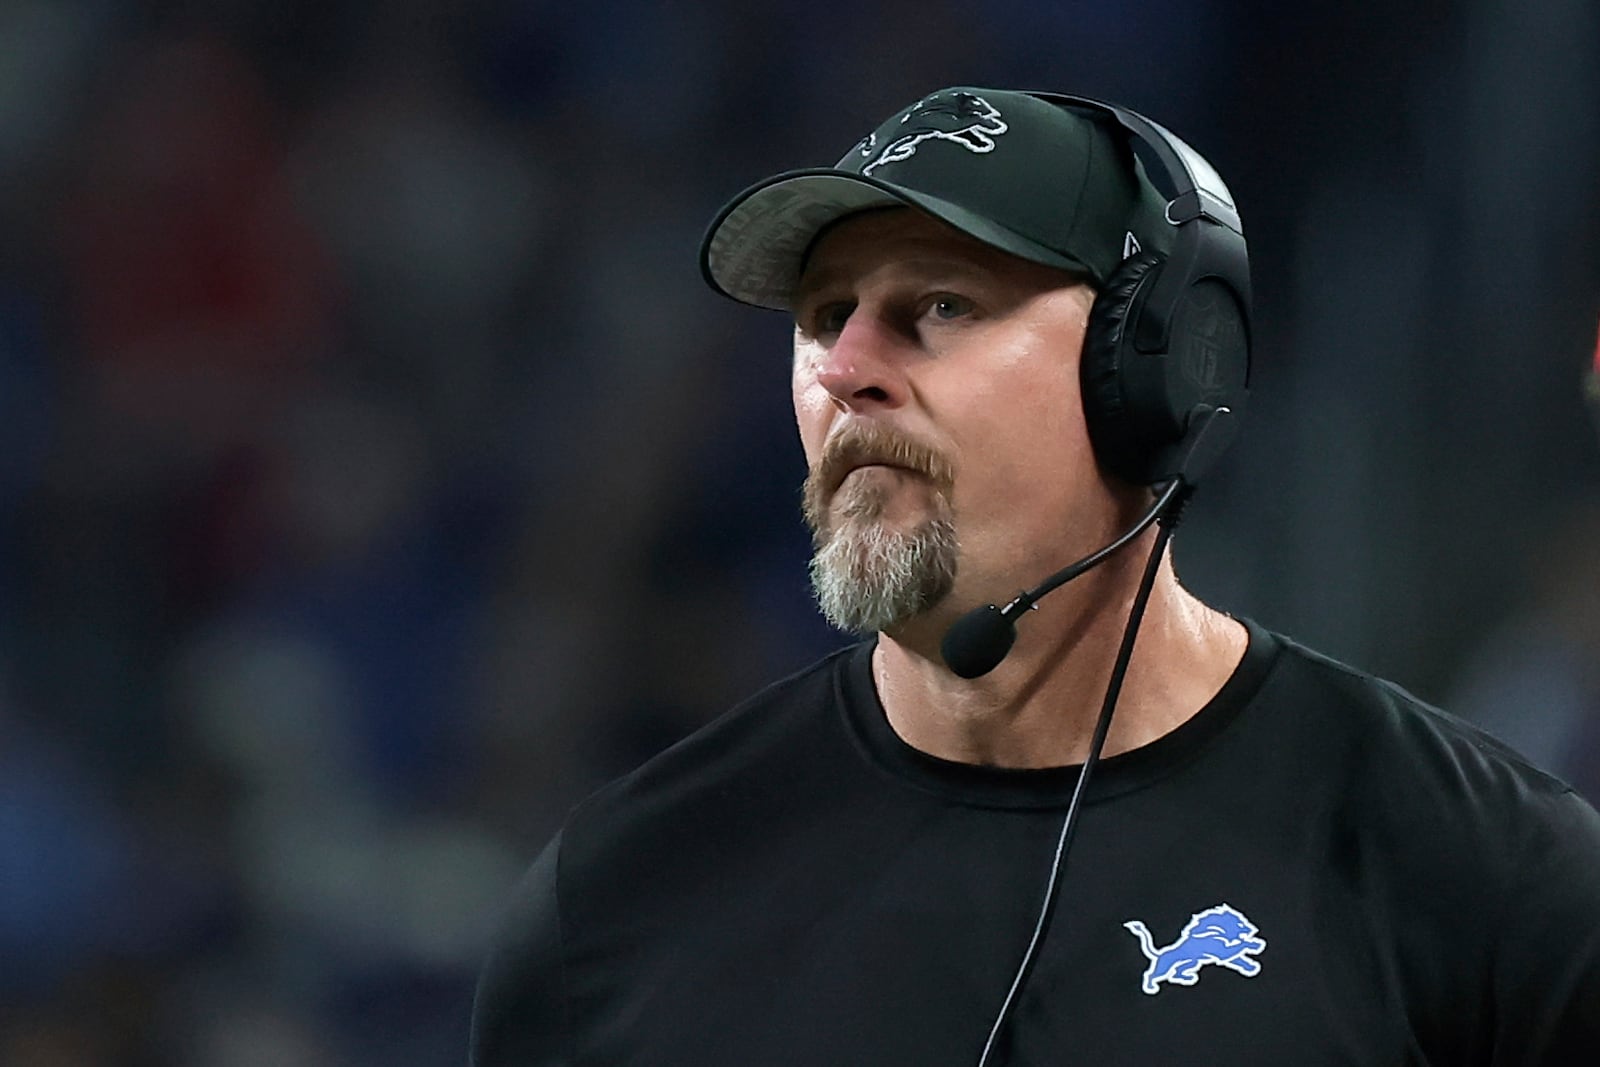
(977, 642)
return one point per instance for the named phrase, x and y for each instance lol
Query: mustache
(860, 444)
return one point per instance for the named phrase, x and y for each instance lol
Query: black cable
(1167, 503)
(1102, 727)
(981, 638)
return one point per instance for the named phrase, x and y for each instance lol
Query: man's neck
(1038, 707)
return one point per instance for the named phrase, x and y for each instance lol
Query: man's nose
(864, 366)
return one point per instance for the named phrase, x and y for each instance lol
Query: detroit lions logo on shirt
(1219, 935)
(966, 119)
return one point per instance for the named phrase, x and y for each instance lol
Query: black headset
(1166, 358)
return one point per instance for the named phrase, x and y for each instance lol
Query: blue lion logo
(1217, 935)
(966, 119)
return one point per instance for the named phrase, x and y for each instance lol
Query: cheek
(1028, 436)
(813, 407)
(1031, 394)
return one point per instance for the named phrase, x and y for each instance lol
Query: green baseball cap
(1051, 184)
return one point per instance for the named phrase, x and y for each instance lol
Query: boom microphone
(980, 639)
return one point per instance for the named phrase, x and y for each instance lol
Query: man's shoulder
(761, 724)
(1388, 722)
(729, 761)
(1474, 860)
(1401, 764)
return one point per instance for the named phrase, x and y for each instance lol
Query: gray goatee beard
(868, 576)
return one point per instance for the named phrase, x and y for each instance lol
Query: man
(879, 861)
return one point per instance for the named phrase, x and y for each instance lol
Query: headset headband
(1198, 191)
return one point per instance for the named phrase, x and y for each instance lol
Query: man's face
(936, 390)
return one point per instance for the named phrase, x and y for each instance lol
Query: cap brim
(756, 246)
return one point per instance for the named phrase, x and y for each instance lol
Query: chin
(870, 577)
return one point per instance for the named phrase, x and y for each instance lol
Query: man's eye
(831, 318)
(950, 307)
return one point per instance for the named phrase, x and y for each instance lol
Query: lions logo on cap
(965, 118)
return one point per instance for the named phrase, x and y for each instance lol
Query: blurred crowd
(377, 476)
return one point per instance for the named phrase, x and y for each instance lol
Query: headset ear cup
(1113, 429)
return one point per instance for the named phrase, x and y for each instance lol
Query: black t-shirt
(1315, 869)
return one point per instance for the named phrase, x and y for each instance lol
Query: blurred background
(377, 476)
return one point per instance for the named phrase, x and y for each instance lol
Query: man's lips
(869, 465)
